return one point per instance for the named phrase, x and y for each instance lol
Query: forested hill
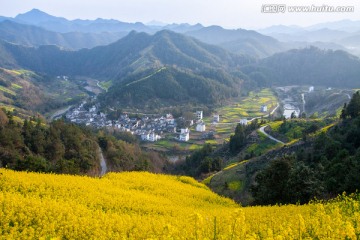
(61, 147)
(171, 86)
(330, 166)
(195, 71)
(239, 41)
(312, 66)
(135, 52)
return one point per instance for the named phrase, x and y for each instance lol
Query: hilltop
(313, 66)
(239, 41)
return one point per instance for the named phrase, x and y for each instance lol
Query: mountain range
(204, 65)
(332, 35)
(29, 35)
(134, 52)
(194, 71)
(36, 28)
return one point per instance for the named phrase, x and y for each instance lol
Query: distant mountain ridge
(330, 35)
(29, 35)
(102, 31)
(239, 41)
(312, 66)
(62, 25)
(39, 18)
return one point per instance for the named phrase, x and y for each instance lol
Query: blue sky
(226, 13)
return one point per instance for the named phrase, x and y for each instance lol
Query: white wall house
(153, 137)
(92, 109)
(263, 108)
(216, 118)
(184, 135)
(244, 121)
(199, 115)
(200, 127)
(184, 130)
(150, 136)
(145, 136)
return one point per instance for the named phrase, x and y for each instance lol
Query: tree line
(62, 147)
(330, 166)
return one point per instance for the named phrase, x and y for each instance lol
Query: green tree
(353, 108)
(270, 187)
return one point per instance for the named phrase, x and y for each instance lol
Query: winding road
(262, 130)
(102, 163)
(303, 100)
(60, 112)
(99, 86)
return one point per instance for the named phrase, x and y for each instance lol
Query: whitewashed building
(184, 135)
(216, 118)
(244, 121)
(264, 108)
(150, 136)
(199, 115)
(200, 127)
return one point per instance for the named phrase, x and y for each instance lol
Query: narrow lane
(102, 163)
(262, 130)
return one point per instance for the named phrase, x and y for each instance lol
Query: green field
(4, 89)
(294, 129)
(230, 115)
(248, 107)
(16, 86)
(170, 144)
(106, 85)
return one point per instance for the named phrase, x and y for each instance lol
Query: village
(148, 128)
(190, 131)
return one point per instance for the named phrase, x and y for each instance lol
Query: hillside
(239, 41)
(136, 51)
(28, 144)
(143, 205)
(196, 71)
(29, 92)
(35, 36)
(311, 66)
(320, 159)
(170, 86)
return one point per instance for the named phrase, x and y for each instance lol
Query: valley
(132, 130)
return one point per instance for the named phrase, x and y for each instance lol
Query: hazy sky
(226, 13)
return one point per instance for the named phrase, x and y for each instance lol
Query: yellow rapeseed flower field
(139, 205)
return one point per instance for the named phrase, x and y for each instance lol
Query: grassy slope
(143, 205)
(28, 92)
(241, 174)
